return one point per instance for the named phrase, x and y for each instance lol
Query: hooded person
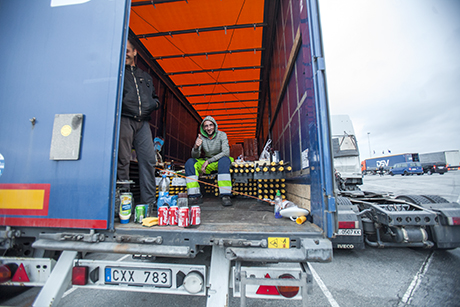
(214, 144)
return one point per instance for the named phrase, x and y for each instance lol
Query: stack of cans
(182, 216)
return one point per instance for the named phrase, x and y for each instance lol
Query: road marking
(323, 287)
(124, 257)
(416, 281)
(68, 292)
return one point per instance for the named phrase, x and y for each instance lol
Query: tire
(415, 199)
(391, 173)
(429, 172)
(436, 199)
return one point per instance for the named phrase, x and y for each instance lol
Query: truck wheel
(391, 173)
(436, 199)
(429, 172)
(405, 173)
(415, 199)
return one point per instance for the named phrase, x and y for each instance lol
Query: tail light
(453, 221)
(348, 225)
(79, 275)
(193, 282)
(287, 291)
(7, 271)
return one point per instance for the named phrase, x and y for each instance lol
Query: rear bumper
(446, 237)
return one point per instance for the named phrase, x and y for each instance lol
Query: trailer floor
(245, 216)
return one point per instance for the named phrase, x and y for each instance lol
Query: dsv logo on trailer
(382, 163)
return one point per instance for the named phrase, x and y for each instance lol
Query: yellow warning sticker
(274, 242)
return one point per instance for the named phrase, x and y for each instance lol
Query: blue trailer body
(373, 164)
(61, 88)
(58, 62)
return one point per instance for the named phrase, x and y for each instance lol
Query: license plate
(138, 276)
(349, 232)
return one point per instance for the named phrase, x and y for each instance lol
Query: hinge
(321, 63)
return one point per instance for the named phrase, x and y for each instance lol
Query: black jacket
(139, 96)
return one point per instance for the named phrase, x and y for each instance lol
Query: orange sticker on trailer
(24, 199)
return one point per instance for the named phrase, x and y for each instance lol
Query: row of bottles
(261, 188)
(259, 170)
(174, 190)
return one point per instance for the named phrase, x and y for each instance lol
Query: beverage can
(195, 215)
(126, 203)
(140, 212)
(184, 217)
(173, 215)
(163, 216)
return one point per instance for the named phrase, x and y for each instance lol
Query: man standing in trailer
(139, 100)
(214, 144)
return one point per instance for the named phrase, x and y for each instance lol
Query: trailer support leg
(219, 275)
(57, 283)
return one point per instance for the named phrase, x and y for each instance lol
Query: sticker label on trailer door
(305, 161)
(2, 164)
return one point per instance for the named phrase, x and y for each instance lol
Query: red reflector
(347, 225)
(287, 291)
(21, 274)
(267, 290)
(456, 220)
(79, 275)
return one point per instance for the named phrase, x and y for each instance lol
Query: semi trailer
(256, 66)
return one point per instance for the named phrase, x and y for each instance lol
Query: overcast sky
(394, 67)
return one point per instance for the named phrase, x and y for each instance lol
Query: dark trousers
(137, 134)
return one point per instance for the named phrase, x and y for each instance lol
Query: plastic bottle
(126, 206)
(163, 188)
(278, 200)
(182, 201)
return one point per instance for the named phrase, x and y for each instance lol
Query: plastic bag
(265, 155)
(170, 201)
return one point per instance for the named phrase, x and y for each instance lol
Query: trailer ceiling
(212, 50)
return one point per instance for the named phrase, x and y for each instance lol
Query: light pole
(369, 142)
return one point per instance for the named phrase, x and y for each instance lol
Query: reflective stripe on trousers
(224, 180)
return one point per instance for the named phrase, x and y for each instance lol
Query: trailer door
(61, 72)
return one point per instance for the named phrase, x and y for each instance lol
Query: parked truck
(373, 165)
(382, 220)
(345, 153)
(258, 68)
(440, 162)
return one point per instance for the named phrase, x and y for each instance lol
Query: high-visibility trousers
(224, 179)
